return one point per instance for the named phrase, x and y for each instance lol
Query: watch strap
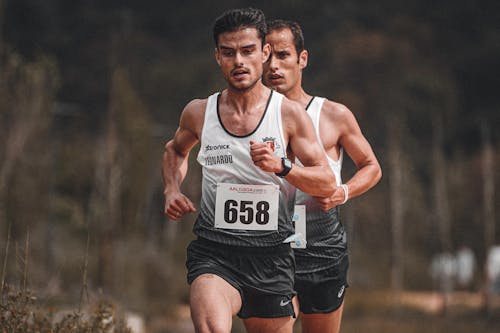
(287, 166)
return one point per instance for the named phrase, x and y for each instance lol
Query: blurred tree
(418, 78)
(1, 32)
(123, 157)
(488, 177)
(27, 91)
(488, 214)
(26, 98)
(397, 199)
(440, 189)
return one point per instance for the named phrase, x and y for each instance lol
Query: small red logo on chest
(270, 142)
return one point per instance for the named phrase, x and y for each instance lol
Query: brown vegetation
(90, 92)
(20, 313)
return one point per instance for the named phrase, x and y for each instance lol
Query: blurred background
(90, 91)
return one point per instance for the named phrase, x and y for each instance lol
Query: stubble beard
(242, 89)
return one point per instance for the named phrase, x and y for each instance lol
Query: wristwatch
(287, 166)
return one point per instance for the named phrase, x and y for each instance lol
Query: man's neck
(243, 101)
(297, 94)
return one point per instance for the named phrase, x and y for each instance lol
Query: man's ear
(217, 56)
(303, 57)
(266, 52)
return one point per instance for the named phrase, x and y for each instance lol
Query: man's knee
(213, 303)
(211, 318)
(211, 326)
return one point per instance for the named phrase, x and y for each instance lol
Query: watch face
(287, 163)
(287, 166)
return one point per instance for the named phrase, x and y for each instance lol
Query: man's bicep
(304, 142)
(184, 140)
(190, 125)
(355, 144)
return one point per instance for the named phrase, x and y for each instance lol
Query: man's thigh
(213, 303)
(269, 325)
(322, 322)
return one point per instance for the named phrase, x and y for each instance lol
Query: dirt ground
(387, 312)
(411, 312)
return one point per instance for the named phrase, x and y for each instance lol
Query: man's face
(283, 70)
(240, 56)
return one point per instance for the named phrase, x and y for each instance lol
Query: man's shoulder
(335, 111)
(289, 105)
(334, 107)
(196, 105)
(338, 115)
(193, 114)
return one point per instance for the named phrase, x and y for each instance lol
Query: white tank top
(225, 158)
(326, 237)
(314, 111)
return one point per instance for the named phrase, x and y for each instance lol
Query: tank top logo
(218, 154)
(271, 143)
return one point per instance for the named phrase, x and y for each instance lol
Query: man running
(321, 272)
(239, 264)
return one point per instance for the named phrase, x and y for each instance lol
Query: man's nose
(238, 59)
(273, 62)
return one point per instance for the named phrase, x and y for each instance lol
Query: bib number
(299, 219)
(246, 207)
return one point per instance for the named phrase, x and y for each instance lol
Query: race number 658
(247, 207)
(246, 211)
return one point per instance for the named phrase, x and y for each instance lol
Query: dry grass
(19, 313)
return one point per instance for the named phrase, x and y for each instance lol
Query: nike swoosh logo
(283, 303)
(341, 291)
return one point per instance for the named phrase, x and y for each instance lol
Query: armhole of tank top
(279, 100)
(339, 165)
(211, 100)
(337, 162)
(317, 115)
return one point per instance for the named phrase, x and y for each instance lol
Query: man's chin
(242, 86)
(278, 87)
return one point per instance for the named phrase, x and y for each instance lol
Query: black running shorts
(322, 291)
(264, 276)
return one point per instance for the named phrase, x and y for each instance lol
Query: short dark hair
(298, 36)
(236, 19)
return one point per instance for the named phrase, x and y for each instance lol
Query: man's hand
(265, 158)
(336, 199)
(177, 205)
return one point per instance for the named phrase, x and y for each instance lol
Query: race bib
(247, 207)
(299, 218)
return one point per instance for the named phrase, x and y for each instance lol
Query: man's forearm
(174, 168)
(314, 180)
(364, 179)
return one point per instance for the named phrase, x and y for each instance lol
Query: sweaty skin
(338, 129)
(240, 56)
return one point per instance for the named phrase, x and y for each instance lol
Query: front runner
(239, 263)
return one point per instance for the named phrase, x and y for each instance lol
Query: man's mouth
(239, 73)
(274, 77)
